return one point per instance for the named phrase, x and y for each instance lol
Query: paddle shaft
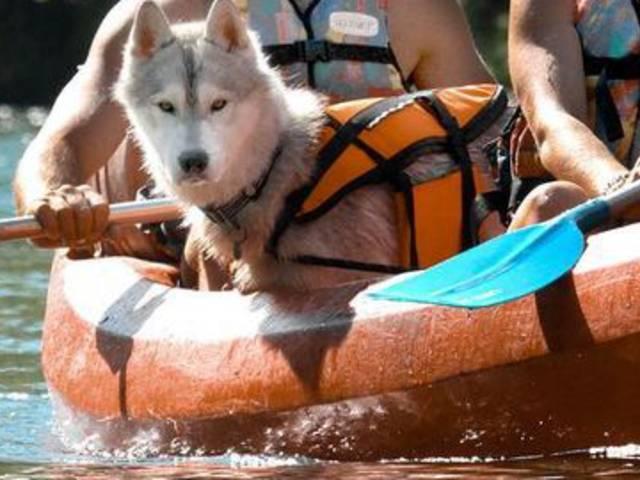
(150, 211)
(620, 200)
(598, 211)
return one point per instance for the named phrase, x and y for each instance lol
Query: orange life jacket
(374, 141)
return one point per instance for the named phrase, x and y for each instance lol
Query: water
(31, 448)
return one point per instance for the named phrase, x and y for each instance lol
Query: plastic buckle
(313, 50)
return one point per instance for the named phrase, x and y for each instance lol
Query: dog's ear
(150, 31)
(225, 27)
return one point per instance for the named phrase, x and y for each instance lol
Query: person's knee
(553, 198)
(548, 201)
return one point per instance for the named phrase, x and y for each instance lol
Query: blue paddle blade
(498, 271)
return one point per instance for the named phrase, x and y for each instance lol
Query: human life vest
(610, 36)
(375, 141)
(339, 47)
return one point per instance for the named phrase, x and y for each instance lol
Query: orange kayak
(335, 374)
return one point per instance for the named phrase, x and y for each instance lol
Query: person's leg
(547, 201)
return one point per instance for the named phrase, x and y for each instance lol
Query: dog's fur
(193, 65)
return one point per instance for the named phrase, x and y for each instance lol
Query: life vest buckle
(313, 50)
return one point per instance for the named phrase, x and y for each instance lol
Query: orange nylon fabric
(438, 225)
(438, 222)
(401, 129)
(465, 103)
(358, 164)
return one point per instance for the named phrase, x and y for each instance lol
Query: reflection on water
(29, 449)
(258, 468)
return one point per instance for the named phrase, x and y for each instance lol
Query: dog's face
(194, 96)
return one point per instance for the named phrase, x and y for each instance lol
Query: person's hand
(70, 216)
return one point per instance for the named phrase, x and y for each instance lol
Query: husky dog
(220, 131)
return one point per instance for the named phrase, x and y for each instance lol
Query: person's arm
(434, 45)
(82, 132)
(546, 67)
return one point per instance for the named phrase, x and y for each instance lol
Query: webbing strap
(347, 264)
(309, 51)
(623, 68)
(608, 118)
(402, 183)
(458, 147)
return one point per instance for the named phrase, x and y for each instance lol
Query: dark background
(43, 41)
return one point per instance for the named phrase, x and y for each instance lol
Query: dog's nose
(193, 161)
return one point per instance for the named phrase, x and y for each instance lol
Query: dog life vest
(339, 47)
(610, 35)
(375, 141)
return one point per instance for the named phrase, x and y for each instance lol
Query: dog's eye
(218, 105)
(166, 107)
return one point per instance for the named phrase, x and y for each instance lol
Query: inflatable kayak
(336, 374)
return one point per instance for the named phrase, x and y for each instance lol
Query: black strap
(305, 18)
(608, 118)
(347, 264)
(313, 50)
(623, 68)
(226, 214)
(306, 13)
(606, 69)
(402, 183)
(460, 153)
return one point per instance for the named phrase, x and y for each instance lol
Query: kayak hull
(335, 374)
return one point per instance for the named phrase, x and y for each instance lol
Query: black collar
(226, 215)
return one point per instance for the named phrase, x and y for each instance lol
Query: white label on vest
(357, 24)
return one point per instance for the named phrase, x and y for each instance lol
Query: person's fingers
(47, 218)
(83, 219)
(82, 215)
(65, 218)
(99, 212)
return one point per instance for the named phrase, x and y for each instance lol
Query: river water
(30, 445)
